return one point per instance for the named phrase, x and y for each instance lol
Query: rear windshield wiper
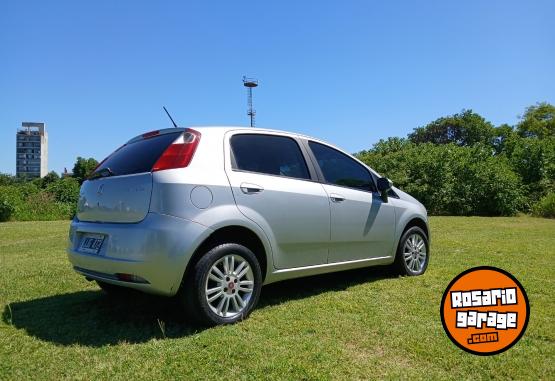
(104, 172)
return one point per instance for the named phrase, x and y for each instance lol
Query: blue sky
(350, 72)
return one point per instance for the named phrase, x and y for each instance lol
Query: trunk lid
(120, 188)
(115, 199)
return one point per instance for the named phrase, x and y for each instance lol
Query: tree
(452, 180)
(6, 179)
(390, 145)
(538, 121)
(65, 190)
(83, 168)
(464, 129)
(505, 136)
(51, 177)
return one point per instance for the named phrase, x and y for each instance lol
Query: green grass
(360, 324)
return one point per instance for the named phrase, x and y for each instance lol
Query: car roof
(224, 129)
(220, 130)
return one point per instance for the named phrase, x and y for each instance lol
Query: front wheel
(413, 252)
(223, 286)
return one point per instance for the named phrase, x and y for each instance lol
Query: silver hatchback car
(212, 214)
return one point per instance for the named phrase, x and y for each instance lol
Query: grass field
(361, 324)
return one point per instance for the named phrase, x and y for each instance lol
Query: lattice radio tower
(250, 83)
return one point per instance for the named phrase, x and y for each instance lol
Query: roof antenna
(169, 116)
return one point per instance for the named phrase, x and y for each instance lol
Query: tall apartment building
(31, 150)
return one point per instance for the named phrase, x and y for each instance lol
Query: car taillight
(180, 153)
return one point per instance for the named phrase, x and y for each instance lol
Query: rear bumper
(152, 253)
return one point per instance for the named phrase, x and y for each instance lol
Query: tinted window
(274, 155)
(140, 156)
(340, 169)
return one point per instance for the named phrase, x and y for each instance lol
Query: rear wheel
(413, 252)
(223, 286)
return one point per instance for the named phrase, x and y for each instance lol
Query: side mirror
(384, 184)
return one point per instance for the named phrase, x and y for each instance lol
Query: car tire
(413, 252)
(223, 286)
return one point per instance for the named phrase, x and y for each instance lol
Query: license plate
(91, 243)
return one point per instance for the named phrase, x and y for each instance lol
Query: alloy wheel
(414, 253)
(229, 285)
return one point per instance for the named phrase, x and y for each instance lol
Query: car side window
(340, 169)
(268, 154)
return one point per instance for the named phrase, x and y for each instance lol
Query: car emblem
(100, 190)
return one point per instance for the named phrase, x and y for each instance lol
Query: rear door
(274, 187)
(362, 225)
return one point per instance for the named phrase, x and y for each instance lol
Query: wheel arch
(419, 222)
(232, 234)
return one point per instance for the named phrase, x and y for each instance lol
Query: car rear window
(269, 154)
(138, 157)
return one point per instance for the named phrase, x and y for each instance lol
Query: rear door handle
(248, 188)
(336, 197)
